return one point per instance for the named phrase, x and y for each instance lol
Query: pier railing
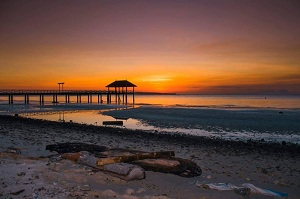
(9, 92)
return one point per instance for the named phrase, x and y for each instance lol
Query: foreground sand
(269, 166)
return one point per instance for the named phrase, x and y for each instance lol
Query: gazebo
(120, 89)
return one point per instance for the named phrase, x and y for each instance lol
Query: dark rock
(17, 192)
(245, 192)
(264, 171)
(21, 174)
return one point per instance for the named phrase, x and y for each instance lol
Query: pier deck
(121, 96)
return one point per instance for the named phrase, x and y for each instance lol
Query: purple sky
(180, 46)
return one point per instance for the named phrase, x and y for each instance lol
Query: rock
(129, 191)
(140, 190)
(85, 187)
(204, 186)
(87, 158)
(125, 171)
(264, 171)
(21, 174)
(55, 158)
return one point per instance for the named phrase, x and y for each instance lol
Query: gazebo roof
(121, 83)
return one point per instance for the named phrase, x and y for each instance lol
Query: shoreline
(268, 148)
(258, 125)
(266, 165)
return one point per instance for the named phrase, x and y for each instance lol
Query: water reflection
(93, 117)
(61, 117)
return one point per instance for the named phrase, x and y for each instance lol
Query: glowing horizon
(204, 47)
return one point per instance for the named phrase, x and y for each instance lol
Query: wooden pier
(120, 91)
(97, 95)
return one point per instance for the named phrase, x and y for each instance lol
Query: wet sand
(266, 165)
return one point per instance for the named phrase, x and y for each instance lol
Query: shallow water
(222, 101)
(268, 118)
(242, 124)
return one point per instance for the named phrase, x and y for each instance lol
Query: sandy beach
(29, 174)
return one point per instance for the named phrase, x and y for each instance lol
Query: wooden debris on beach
(119, 159)
(71, 156)
(162, 161)
(138, 156)
(118, 123)
(177, 166)
(74, 147)
(123, 171)
(10, 155)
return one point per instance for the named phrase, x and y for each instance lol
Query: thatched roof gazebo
(121, 88)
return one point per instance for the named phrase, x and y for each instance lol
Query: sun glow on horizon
(179, 46)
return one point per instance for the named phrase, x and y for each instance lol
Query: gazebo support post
(126, 95)
(116, 93)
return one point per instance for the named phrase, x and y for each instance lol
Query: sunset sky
(204, 46)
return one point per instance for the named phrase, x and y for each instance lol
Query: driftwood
(126, 158)
(76, 147)
(71, 156)
(100, 156)
(118, 123)
(178, 166)
(138, 156)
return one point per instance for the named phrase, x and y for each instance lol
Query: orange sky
(205, 47)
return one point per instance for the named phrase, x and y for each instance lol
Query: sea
(263, 118)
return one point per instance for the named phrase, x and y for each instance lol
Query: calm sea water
(222, 101)
(235, 117)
